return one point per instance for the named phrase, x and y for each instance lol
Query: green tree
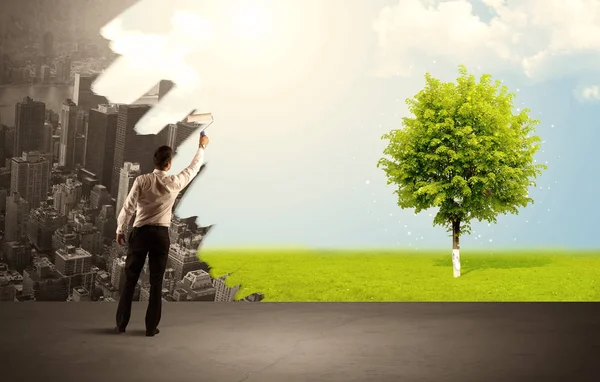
(464, 151)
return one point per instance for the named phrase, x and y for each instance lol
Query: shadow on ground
(479, 262)
(106, 331)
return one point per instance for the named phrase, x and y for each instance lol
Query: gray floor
(303, 342)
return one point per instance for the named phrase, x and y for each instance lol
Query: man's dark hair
(162, 157)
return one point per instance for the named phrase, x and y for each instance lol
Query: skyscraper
(44, 283)
(83, 95)
(18, 255)
(63, 70)
(3, 144)
(9, 144)
(80, 149)
(131, 147)
(72, 261)
(164, 87)
(129, 172)
(68, 131)
(29, 125)
(117, 275)
(30, 177)
(99, 196)
(67, 195)
(106, 222)
(48, 44)
(184, 260)
(43, 222)
(17, 213)
(46, 75)
(100, 146)
(197, 286)
(179, 133)
(223, 292)
(88, 181)
(46, 146)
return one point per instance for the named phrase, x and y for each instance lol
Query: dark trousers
(154, 242)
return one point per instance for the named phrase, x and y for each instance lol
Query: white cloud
(588, 93)
(540, 38)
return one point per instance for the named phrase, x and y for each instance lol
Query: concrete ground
(303, 342)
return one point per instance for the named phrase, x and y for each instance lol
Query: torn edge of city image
(64, 175)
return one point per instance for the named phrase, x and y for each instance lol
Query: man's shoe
(152, 334)
(118, 330)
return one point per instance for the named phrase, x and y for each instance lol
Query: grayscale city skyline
(68, 159)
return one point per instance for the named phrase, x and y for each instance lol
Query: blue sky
(301, 108)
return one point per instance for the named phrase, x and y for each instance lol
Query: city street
(303, 342)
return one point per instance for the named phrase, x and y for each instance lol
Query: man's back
(157, 194)
(152, 195)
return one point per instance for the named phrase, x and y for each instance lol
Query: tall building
(48, 44)
(43, 222)
(129, 172)
(80, 149)
(64, 236)
(88, 181)
(55, 148)
(82, 120)
(184, 260)
(40, 60)
(29, 126)
(89, 235)
(83, 95)
(17, 214)
(223, 292)
(197, 286)
(63, 70)
(67, 195)
(101, 140)
(71, 261)
(164, 87)
(179, 133)
(46, 146)
(117, 276)
(131, 147)
(30, 177)
(106, 222)
(99, 197)
(3, 144)
(18, 255)
(46, 75)
(68, 132)
(9, 144)
(44, 282)
(5, 178)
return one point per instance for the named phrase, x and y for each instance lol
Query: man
(152, 197)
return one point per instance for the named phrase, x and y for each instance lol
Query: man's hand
(120, 239)
(204, 141)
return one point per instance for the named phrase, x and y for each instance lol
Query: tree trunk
(456, 248)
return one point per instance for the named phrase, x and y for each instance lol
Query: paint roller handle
(203, 140)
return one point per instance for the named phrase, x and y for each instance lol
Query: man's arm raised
(185, 177)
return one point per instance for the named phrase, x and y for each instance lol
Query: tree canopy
(465, 150)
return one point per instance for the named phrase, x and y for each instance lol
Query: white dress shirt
(152, 196)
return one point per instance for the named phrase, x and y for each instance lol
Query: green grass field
(369, 276)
